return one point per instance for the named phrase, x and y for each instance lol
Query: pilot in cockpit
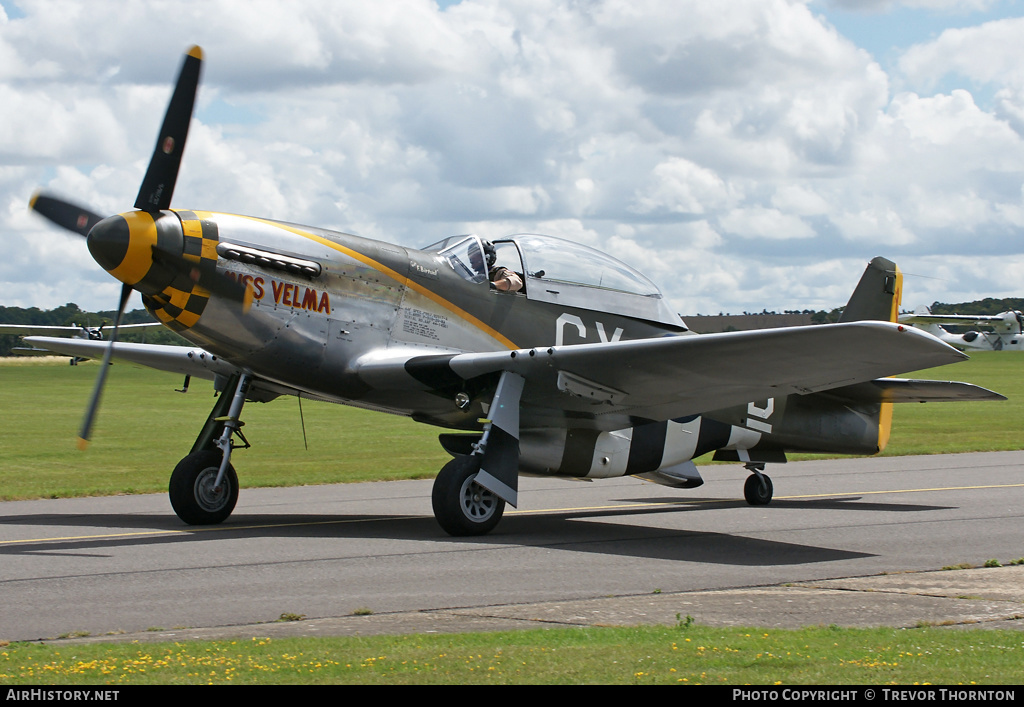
(502, 279)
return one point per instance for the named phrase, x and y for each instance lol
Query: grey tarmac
(852, 542)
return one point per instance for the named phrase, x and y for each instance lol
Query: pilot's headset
(490, 254)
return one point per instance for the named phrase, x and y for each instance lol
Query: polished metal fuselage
(328, 306)
(376, 301)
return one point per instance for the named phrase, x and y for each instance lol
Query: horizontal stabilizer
(907, 390)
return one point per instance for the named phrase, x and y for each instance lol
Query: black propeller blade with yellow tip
(101, 378)
(158, 184)
(110, 238)
(65, 214)
(207, 279)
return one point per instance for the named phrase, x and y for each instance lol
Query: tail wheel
(757, 489)
(193, 496)
(461, 506)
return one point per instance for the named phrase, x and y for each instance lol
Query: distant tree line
(988, 305)
(71, 314)
(817, 317)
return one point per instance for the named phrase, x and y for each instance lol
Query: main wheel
(756, 493)
(461, 506)
(193, 496)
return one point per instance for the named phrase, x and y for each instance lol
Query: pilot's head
(490, 253)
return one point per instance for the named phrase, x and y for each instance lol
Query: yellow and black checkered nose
(168, 256)
(124, 246)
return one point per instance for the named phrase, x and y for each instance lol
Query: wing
(184, 360)
(45, 329)
(617, 384)
(38, 329)
(961, 319)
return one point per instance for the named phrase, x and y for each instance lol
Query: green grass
(693, 655)
(144, 428)
(944, 428)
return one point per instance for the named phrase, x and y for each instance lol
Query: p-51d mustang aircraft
(1005, 335)
(582, 371)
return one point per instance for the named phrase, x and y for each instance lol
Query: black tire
(191, 489)
(756, 493)
(461, 506)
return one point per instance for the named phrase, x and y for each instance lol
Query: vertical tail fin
(878, 293)
(877, 297)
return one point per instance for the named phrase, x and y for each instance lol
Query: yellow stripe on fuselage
(384, 269)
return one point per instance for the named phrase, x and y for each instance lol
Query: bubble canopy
(558, 260)
(566, 273)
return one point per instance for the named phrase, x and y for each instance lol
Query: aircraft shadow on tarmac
(844, 503)
(576, 531)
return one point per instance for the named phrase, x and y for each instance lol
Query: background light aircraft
(1005, 335)
(584, 372)
(75, 331)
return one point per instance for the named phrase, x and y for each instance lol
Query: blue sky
(748, 160)
(887, 28)
(890, 29)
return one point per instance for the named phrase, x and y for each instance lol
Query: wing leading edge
(966, 319)
(183, 360)
(618, 384)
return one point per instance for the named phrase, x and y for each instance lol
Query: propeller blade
(97, 392)
(210, 280)
(65, 214)
(158, 184)
(223, 286)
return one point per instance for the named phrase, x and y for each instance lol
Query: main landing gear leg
(470, 492)
(204, 485)
(758, 487)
